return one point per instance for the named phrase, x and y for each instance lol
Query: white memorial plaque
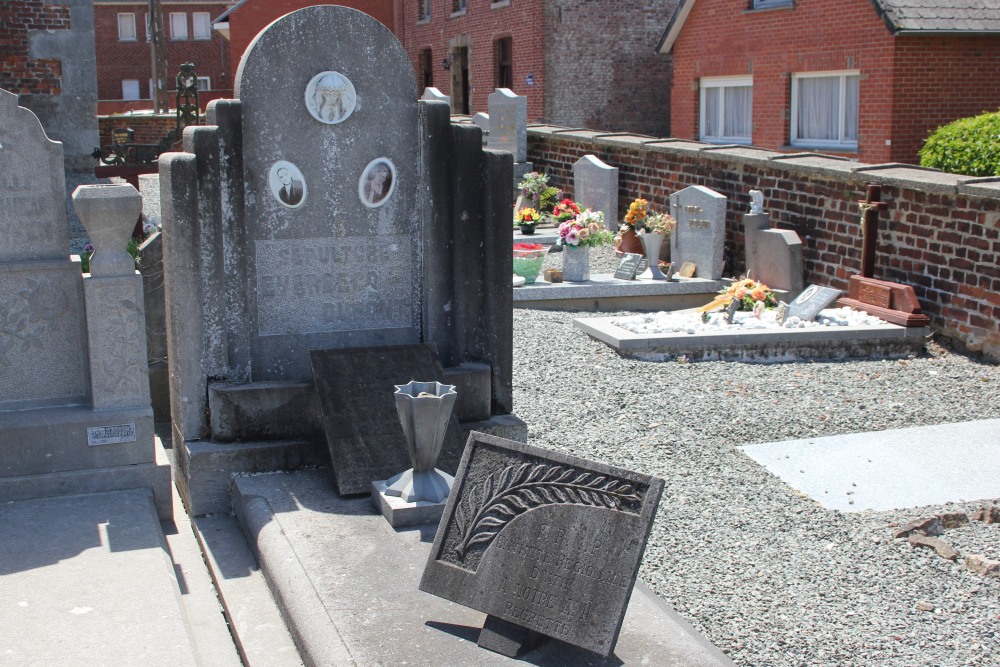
(110, 435)
(331, 98)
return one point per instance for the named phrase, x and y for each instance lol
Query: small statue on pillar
(893, 302)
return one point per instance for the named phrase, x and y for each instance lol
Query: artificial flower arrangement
(536, 191)
(749, 292)
(565, 210)
(658, 223)
(637, 212)
(528, 246)
(585, 230)
(526, 216)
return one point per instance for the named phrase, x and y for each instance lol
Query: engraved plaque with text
(543, 540)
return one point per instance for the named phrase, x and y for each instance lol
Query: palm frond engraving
(516, 489)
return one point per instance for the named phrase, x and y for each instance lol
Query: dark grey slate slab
(811, 301)
(546, 541)
(355, 389)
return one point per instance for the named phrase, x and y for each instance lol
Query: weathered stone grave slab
(811, 301)
(509, 123)
(701, 230)
(355, 389)
(542, 541)
(595, 186)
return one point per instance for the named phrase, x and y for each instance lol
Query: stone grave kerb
(330, 262)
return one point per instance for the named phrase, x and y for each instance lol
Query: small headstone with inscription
(628, 267)
(542, 542)
(509, 128)
(701, 230)
(595, 186)
(811, 302)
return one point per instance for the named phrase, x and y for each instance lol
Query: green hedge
(968, 146)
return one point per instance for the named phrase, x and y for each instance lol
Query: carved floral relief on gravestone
(287, 184)
(330, 97)
(542, 540)
(377, 182)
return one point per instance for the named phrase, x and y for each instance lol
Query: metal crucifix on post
(870, 208)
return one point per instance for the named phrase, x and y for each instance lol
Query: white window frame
(175, 34)
(147, 25)
(132, 83)
(768, 4)
(206, 22)
(128, 20)
(204, 83)
(841, 142)
(721, 83)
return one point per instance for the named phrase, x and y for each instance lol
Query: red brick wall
(723, 38)
(602, 67)
(942, 239)
(960, 79)
(249, 19)
(19, 73)
(118, 60)
(481, 25)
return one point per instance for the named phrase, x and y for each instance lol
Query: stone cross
(870, 207)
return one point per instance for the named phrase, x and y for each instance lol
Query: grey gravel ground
(767, 574)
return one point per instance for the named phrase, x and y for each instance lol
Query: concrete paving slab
(604, 292)
(899, 468)
(87, 580)
(348, 585)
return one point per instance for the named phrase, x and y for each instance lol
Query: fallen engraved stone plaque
(542, 541)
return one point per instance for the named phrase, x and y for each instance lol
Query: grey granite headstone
(333, 258)
(811, 301)
(355, 389)
(509, 123)
(701, 230)
(482, 121)
(774, 256)
(432, 94)
(542, 541)
(595, 186)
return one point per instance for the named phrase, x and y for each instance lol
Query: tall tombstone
(595, 186)
(74, 396)
(701, 230)
(316, 212)
(509, 123)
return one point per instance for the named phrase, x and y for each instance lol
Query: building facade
(865, 79)
(124, 59)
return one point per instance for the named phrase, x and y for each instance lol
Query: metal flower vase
(651, 244)
(424, 410)
(576, 264)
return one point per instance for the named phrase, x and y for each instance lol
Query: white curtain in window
(130, 89)
(178, 26)
(819, 105)
(710, 114)
(126, 27)
(852, 97)
(738, 111)
(202, 25)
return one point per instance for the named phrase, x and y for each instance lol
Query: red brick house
(121, 30)
(241, 23)
(580, 63)
(868, 79)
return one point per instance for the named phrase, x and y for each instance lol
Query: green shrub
(968, 146)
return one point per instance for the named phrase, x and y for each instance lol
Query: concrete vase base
(401, 514)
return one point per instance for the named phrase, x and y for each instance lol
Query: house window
(130, 89)
(825, 109)
(423, 10)
(204, 83)
(505, 64)
(178, 25)
(726, 109)
(459, 6)
(126, 27)
(427, 67)
(202, 25)
(765, 4)
(146, 15)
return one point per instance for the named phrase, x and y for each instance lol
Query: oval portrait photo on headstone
(377, 183)
(287, 184)
(330, 97)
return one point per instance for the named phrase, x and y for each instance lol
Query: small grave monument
(701, 230)
(75, 415)
(813, 299)
(508, 115)
(543, 543)
(628, 268)
(774, 256)
(893, 302)
(326, 209)
(482, 120)
(595, 186)
(432, 94)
